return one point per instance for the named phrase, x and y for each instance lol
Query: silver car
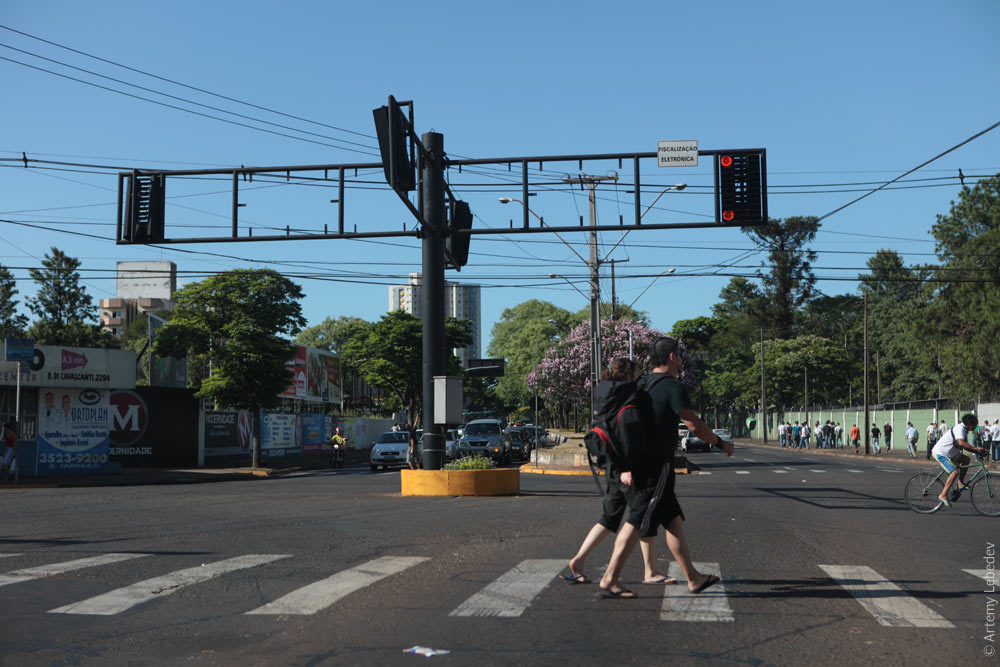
(451, 444)
(390, 449)
(485, 437)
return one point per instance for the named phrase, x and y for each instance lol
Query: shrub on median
(474, 462)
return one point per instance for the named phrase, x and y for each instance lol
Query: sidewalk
(898, 454)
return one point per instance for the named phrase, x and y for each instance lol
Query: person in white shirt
(838, 435)
(804, 434)
(932, 436)
(995, 436)
(911, 439)
(948, 452)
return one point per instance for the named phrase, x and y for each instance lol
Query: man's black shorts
(665, 510)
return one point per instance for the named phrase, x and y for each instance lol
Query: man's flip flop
(663, 579)
(944, 501)
(711, 580)
(576, 578)
(623, 594)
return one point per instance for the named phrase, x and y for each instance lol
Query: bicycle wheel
(922, 492)
(986, 495)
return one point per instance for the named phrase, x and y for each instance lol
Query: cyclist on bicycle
(948, 453)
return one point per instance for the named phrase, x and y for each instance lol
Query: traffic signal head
(456, 246)
(391, 127)
(741, 187)
(144, 209)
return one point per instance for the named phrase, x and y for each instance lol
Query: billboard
(315, 375)
(80, 367)
(154, 427)
(73, 431)
(228, 433)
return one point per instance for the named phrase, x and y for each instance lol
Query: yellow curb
(491, 482)
(555, 471)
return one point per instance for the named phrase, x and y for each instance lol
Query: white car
(451, 444)
(390, 449)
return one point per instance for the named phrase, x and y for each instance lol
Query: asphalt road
(821, 562)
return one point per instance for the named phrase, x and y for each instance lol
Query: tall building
(141, 287)
(461, 301)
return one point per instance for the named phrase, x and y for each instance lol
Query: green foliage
(235, 322)
(389, 354)
(332, 334)
(65, 313)
(786, 363)
(522, 336)
(474, 462)
(12, 324)
(789, 281)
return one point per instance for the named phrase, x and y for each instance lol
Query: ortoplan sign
(80, 367)
(73, 427)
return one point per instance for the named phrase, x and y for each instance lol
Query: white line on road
(742, 472)
(891, 469)
(780, 472)
(989, 576)
(512, 592)
(121, 599)
(8, 555)
(887, 602)
(858, 471)
(321, 594)
(60, 568)
(680, 604)
(820, 471)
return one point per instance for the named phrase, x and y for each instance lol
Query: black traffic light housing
(392, 128)
(741, 187)
(144, 208)
(456, 246)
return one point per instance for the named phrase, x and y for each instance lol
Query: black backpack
(604, 442)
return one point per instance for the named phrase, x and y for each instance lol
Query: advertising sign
(73, 431)
(314, 434)
(297, 366)
(277, 435)
(79, 367)
(19, 349)
(315, 375)
(154, 426)
(228, 433)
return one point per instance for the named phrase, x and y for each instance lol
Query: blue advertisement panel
(73, 431)
(314, 440)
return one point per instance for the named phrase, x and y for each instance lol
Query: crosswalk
(510, 595)
(784, 470)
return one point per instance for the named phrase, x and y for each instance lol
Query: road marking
(512, 592)
(321, 594)
(857, 471)
(989, 576)
(121, 599)
(8, 555)
(702, 472)
(780, 472)
(680, 604)
(820, 471)
(742, 472)
(59, 568)
(890, 469)
(746, 459)
(887, 602)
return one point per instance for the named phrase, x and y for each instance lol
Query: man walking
(855, 437)
(912, 437)
(654, 502)
(887, 430)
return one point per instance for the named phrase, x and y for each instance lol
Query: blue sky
(838, 93)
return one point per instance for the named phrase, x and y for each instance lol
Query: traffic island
(491, 482)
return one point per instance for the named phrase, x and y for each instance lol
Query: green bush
(474, 462)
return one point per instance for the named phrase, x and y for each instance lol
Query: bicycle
(923, 490)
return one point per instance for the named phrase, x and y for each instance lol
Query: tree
(562, 377)
(12, 323)
(789, 282)
(389, 355)
(63, 306)
(332, 334)
(236, 321)
(786, 362)
(521, 336)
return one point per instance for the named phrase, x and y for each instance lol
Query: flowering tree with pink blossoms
(563, 376)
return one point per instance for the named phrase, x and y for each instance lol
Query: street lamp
(507, 200)
(665, 273)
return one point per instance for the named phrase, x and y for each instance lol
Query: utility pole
(763, 390)
(595, 286)
(614, 299)
(864, 427)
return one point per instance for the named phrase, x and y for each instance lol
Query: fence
(920, 413)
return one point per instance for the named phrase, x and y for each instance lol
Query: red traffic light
(728, 216)
(726, 161)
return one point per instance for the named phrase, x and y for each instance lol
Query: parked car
(451, 444)
(485, 437)
(518, 441)
(691, 443)
(539, 436)
(390, 449)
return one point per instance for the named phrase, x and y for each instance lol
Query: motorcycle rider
(338, 445)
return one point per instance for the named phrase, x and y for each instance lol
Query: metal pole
(595, 304)
(17, 402)
(763, 391)
(864, 427)
(432, 185)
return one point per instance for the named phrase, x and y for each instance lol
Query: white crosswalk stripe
(119, 600)
(780, 472)
(53, 569)
(857, 471)
(510, 594)
(8, 555)
(819, 471)
(887, 602)
(321, 594)
(989, 576)
(742, 472)
(680, 604)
